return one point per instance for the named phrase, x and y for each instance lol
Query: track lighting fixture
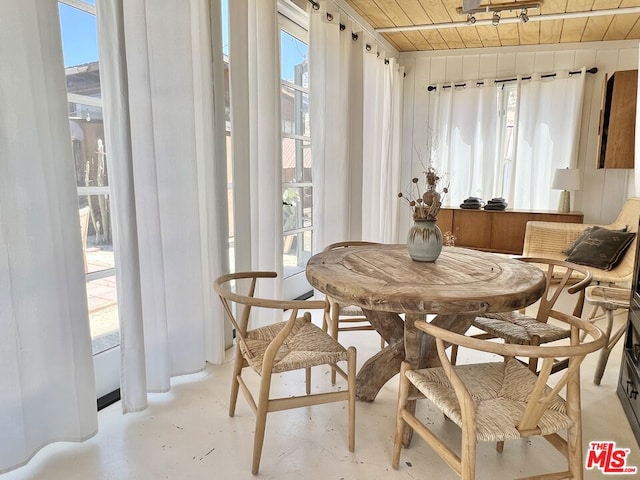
(496, 9)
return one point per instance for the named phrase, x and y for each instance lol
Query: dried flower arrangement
(425, 205)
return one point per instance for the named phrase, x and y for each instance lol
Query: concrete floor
(187, 434)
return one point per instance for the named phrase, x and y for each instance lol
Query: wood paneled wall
(603, 191)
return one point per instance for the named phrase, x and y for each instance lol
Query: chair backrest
(247, 281)
(560, 276)
(628, 218)
(541, 396)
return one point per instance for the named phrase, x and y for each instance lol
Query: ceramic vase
(424, 241)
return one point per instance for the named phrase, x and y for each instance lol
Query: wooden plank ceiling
(399, 13)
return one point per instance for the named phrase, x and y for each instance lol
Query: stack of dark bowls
(496, 204)
(472, 203)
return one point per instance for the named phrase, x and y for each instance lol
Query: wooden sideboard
(496, 231)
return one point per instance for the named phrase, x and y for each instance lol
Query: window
(508, 98)
(297, 187)
(91, 161)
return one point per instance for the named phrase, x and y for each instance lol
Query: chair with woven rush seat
(553, 239)
(519, 328)
(293, 344)
(607, 299)
(498, 401)
(346, 318)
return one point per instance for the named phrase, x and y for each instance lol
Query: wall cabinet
(496, 231)
(616, 134)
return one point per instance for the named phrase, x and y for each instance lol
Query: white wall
(603, 190)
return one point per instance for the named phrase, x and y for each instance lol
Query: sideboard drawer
(629, 386)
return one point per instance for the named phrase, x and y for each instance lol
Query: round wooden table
(385, 282)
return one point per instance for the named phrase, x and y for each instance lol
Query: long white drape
(167, 160)
(462, 142)
(470, 151)
(335, 85)
(549, 112)
(47, 388)
(254, 63)
(382, 132)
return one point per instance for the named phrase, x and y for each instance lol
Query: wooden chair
(499, 401)
(519, 328)
(343, 317)
(293, 344)
(607, 299)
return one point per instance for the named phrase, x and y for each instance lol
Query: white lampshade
(566, 179)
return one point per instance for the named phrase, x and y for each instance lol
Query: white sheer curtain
(462, 141)
(548, 114)
(46, 368)
(254, 62)
(335, 85)
(167, 158)
(469, 146)
(382, 131)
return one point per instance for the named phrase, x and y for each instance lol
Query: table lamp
(566, 179)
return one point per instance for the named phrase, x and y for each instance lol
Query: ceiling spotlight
(524, 18)
(471, 19)
(496, 19)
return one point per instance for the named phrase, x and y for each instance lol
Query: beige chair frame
(265, 404)
(607, 299)
(539, 399)
(560, 276)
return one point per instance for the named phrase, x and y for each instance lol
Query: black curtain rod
(354, 36)
(431, 88)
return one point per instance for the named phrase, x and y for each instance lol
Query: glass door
(91, 161)
(297, 186)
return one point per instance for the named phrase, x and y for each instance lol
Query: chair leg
(574, 433)
(261, 421)
(454, 354)
(235, 384)
(606, 350)
(325, 324)
(307, 379)
(533, 362)
(382, 342)
(351, 374)
(335, 313)
(403, 394)
(468, 453)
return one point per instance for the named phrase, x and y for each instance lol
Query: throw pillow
(585, 233)
(601, 248)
